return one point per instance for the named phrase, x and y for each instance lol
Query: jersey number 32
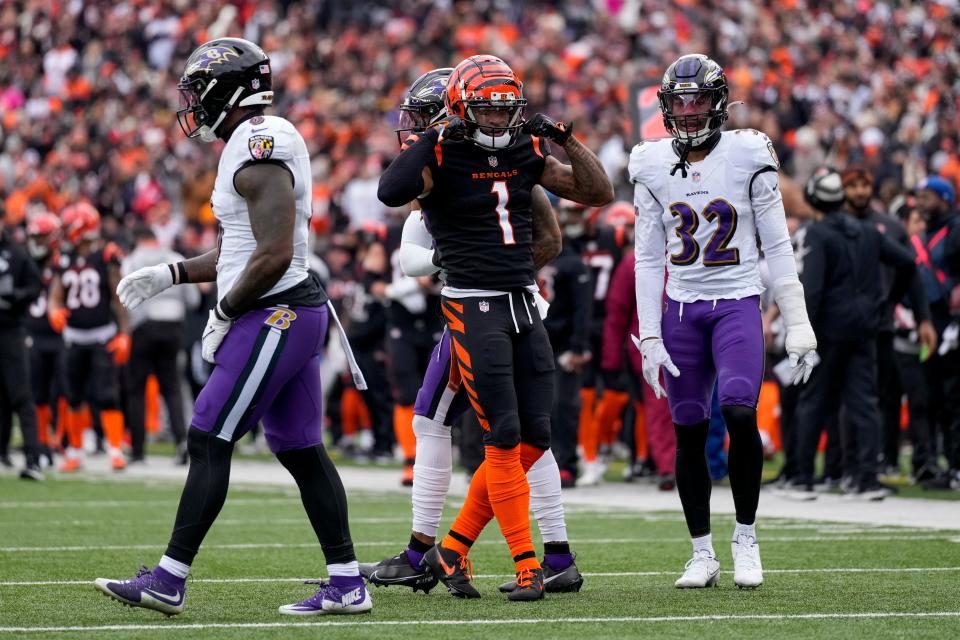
(716, 253)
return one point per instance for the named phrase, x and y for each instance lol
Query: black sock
(693, 476)
(203, 493)
(418, 546)
(324, 500)
(745, 460)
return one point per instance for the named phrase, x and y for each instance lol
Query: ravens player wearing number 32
(702, 199)
(473, 173)
(265, 334)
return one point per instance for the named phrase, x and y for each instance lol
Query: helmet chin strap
(683, 149)
(209, 133)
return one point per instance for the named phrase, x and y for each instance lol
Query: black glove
(450, 128)
(545, 127)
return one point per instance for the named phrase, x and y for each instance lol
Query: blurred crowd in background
(88, 99)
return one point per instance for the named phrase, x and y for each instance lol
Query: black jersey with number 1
(480, 214)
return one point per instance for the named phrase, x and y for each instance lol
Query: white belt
(97, 335)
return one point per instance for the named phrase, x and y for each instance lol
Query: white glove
(655, 356)
(213, 335)
(143, 284)
(801, 341)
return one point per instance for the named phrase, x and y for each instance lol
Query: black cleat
(453, 570)
(399, 571)
(567, 581)
(528, 586)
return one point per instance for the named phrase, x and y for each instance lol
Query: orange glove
(120, 348)
(58, 318)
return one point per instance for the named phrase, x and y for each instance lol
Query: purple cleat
(150, 589)
(332, 599)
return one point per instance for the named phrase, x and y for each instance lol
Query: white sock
(343, 569)
(431, 473)
(745, 530)
(174, 567)
(545, 498)
(703, 543)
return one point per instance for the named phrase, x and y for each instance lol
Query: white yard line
(573, 541)
(354, 623)
(615, 574)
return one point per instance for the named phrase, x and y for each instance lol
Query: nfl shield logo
(484, 306)
(696, 176)
(493, 161)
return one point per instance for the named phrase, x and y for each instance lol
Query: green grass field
(822, 580)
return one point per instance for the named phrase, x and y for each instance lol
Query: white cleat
(592, 474)
(747, 570)
(702, 570)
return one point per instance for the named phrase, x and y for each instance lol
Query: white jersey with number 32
(705, 225)
(260, 139)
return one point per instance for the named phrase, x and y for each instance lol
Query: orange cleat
(119, 463)
(70, 465)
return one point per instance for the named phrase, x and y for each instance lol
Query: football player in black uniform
(47, 366)
(83, 306)
(473, 173)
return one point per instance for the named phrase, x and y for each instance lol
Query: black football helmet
(423, 102)
(220, 75)
(824, 190)
(694, 80)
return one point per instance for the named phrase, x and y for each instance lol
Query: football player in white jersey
(702, 198)
(265, 334)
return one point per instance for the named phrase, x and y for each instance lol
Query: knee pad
(206, 448)
(689, 413)
(424, 427)
(692, 437)
(739, 418)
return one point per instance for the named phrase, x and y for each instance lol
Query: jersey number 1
(716, 253)
(503, 197)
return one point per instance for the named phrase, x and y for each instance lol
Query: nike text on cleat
(529, 586)
(702, 570)
(144, 590)
(398, 571)
(747, 570)
(331, 600)
(567, 581)
(453, 570)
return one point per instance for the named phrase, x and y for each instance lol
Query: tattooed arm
(583, 180)
(546, 230)
(268, 190)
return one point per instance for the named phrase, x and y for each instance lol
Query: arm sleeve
(772, 228)
(813, 274)
(581, 293)
(402, 182)
(416, 247)
(649, 250)
(29, 284)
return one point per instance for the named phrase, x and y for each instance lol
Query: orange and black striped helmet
(486, 83)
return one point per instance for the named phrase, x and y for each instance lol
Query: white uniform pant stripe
(250, 387)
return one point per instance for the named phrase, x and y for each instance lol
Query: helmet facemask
(194, 118)
(693, 115)
(494, 124)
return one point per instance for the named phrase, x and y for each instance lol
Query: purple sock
(558, 561)
(415, 558)
(167, 577)
(346, 583)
